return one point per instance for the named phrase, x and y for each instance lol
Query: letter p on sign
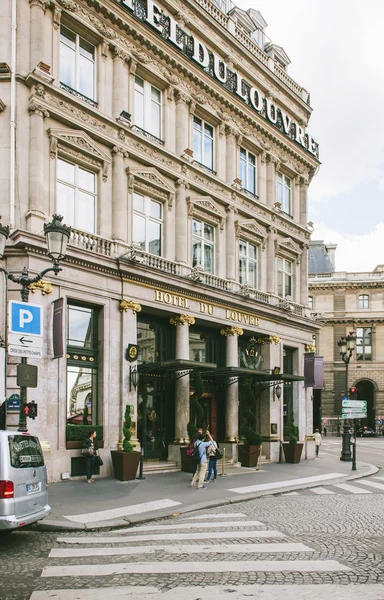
(25, 318)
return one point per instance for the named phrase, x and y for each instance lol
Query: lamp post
(57, 236)
(346, 348)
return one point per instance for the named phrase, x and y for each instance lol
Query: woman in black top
(90, 451)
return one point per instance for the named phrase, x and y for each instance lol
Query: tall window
(203, 245)
(203, 142)
(364, 343)
(363, 301)
(76, 195)
(77, 63)
(82, 361)
(310, 302)
(248, 170)
(284, 277)
(147, 223)
(284, 193)
(147, 107)
(248, 263)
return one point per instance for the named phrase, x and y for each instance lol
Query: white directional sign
(356, 415)
(25, 330)
(360, 404)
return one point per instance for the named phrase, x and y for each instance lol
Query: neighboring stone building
(172, 140)
(346, 302)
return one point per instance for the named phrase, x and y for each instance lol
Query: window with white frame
(248, 170)
(284, 192)
(284, 277)
(363, 301)
(203, 138)
(310, 302)
(147, 110)
(77, 63)
(248, 263)
(364, 343)
(147, 224)
(203, 245)
(76, 195)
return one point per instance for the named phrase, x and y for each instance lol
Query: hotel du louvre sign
(214, 65)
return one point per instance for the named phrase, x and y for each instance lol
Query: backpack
(196, 458)
(190, 448)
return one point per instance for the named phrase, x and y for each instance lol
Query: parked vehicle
(23, 480)
(366, 432)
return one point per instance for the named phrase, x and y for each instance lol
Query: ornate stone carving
(56, 16)
(120, 151)
(44, 286)
(226, 331)
(182, 183)
(182, 320)
(119, 54)
(38, 109)
(68, 5)
(126, 305)
(40, 3)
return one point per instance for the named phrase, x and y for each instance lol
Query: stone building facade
(346, 302)
(173, 141)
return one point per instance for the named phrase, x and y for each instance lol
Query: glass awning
(172, 366)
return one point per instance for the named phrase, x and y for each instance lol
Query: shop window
(284, 277)
(248, 171)
(284, 193)
(77, 64)
(203, 138)
(147, 223)
(248, 264)
(364, 343)
(363, 301)
(147, 110)
(203, 245)
(82, 365)
(76, 196)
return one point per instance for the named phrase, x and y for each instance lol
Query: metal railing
(77, 94)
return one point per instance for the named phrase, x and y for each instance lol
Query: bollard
(223, 473)
(259, 461)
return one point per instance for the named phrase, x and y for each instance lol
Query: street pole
(354, 449)
(346, 455)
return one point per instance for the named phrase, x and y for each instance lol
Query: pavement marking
(352, 489)
(260, 566)
(215, 592)
(291, 494)
(124, 511)
(215, 535)
(217, 516)
(381, 478)
(287, 483)
(378, 486)
(321, 490)
(194, 526)
(186, 549)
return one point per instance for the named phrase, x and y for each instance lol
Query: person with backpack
(200, 458)
(213, 453)
(191, 447)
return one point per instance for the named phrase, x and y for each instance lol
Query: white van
(23, 480)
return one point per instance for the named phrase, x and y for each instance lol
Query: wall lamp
(134, 378)
(278, 391)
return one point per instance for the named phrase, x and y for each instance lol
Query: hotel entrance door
(152, 431)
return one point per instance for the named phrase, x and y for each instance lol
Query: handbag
(219, 453)
(99, 461)
(87, 452)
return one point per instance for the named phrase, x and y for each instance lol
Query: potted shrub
(126, 461)
(292, 449)
(249, 452)
(76, 434)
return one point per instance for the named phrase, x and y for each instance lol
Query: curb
(64, 526)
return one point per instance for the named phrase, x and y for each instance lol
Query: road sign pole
(354, 449)
(23, 403)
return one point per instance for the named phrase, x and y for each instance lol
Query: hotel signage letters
(213, 64)
(205, 308)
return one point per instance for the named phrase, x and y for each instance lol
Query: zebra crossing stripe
(321, 490)
(170, 525)
(352, 489)
(124, 511)
(260, 566)
(291, 494)
(216, 516)
(378, 486)
(218, 535)
(381, 478)
(186, 549)
(227, 592)
(287, 483)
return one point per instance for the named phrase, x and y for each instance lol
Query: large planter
(77, 445)
(187, 464)
(125, 464)
(249, 455)
(292, 453)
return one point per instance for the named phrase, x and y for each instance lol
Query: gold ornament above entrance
(231, 331)
(126, 305)
(182, 320)
(44, 286)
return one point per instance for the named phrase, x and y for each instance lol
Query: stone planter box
(292, 453)
(249, 455)
(125, 464)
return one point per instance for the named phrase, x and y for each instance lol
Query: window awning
(241, 372)
(172, 366)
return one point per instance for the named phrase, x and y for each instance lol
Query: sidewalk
(112, 503)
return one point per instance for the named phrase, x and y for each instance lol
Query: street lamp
(57, 236)
(346, 348)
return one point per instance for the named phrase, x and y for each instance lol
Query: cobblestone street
(304, 540)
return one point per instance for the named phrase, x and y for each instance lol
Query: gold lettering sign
(172, 299)
(240, 317)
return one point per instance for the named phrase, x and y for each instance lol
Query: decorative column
(119, 81)
(37, 32)
(304, 275)
(182, 323)
(170, 120)
(221, 152)
(182, 122)
(272, 168)
(232, 390)
(119, 195)
(231, 158)
(231, 253)
(181, 252)
(262, 178)
(304, 184)
(38, 199)
(271, 262)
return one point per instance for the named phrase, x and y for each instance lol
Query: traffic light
(353, 393)
(30, 410)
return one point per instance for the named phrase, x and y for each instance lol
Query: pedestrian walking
(90, 451)
(325, 431)
(317, 436)
(212, 460)
(199, 476)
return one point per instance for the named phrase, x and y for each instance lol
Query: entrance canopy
(243, 373)
(173, 366)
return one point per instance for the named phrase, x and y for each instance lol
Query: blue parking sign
(25, 318)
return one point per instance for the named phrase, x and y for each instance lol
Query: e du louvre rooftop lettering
(190, 45)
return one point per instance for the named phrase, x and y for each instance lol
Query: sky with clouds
(335, 48)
